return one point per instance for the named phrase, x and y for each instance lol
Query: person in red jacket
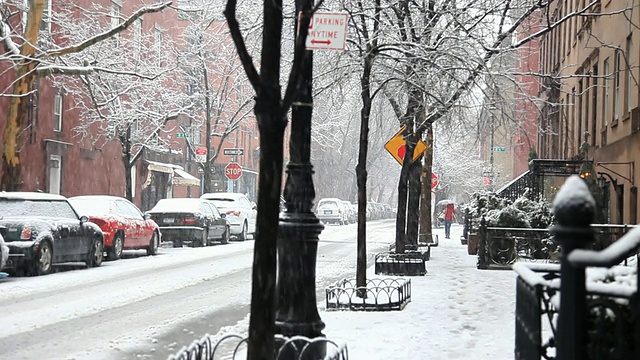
(449, 213)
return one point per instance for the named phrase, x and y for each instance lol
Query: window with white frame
(629, 73)
(616, 85)
(57, 112)
(157, 43)
(605, 111)
(116, 9)
(45, 24)
(137, 38)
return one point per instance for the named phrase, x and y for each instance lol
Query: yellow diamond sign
(396, 146)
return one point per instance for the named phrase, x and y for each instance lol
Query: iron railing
(379, 295)
(588, 306)
(409, 263)
(233, 347)
(501, 247)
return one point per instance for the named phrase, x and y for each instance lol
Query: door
(208, 220)
(218, 223)
(251, 214)
(73, 239)
(55, 162)
(135, 224)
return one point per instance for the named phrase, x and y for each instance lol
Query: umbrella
(444, 202)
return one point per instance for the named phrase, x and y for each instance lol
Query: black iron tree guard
(297, 311)
(575, 210)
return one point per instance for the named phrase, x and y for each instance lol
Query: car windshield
(92, 207)
(37, 208)
(177, 205)
(324, 203)
(224, 203)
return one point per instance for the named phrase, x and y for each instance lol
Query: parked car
(4, 250)
(122, 223)
(241, 212)
(331, 210)
(188, 220)
(42, 230)
(352, 216)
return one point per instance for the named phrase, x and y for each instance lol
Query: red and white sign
(328, 31)
(201, 154)
(434, 181)
(233, 171)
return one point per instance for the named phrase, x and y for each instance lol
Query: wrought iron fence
(232, 347)
(379, 295)
(409, 263)
(590, 301)
(501, 247)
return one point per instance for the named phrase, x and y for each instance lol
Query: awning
(181, 177)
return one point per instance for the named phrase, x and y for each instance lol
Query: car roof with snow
(222, 195)
(96, 197)
(25, 195)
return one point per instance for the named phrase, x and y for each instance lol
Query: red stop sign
(434, 181)
(233, 171)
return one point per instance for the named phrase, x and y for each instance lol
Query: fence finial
(574, 205)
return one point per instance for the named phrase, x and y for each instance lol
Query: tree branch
(243, 53)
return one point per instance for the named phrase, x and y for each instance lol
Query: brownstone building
(55, 159)
(594, 95)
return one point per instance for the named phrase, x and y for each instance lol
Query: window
(45, 24)
(137, 39)
(629, 74)
(605, 110)
(57, 112)
(116, 7)
(157, 43)
(616, 86)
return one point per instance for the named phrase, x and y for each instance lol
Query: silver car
(4, 252)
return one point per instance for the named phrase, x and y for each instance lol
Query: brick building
(55, 159)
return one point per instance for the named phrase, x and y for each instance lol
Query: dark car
(194, 221)
(123, 225)
(43, 229)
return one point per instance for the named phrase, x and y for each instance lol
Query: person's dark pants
(447, 229)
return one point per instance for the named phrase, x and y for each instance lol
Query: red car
(123, 224)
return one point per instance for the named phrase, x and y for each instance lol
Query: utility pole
(491, 150)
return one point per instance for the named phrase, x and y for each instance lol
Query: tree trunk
(25, 75)
(425, 196)
(403, 190)
(361, 173)
(413, 202)
(126, 161)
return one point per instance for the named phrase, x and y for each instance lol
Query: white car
(241, 213)
(332, 210)
(4, 253)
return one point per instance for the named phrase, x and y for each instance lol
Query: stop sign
(434, 181)
(233, 171)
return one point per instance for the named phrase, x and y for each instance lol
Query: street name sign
(499, 149)
(327, 31)
(396, 146)
(201, 154)
(233, 151)
(180, 135)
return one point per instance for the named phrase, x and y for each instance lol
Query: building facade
(56, 159)
(591, 95)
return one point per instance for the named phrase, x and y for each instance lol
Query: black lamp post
(299, 228)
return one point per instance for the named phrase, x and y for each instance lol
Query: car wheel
(225, 236)
(95, 255)
(115, 252)
(205, 238)
(243, 235)
(42, 263)
(153, 244)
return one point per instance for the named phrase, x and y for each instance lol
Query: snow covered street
(149, 307)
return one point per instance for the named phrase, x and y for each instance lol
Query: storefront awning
(181, 177)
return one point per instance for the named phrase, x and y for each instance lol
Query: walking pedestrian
(449, 213)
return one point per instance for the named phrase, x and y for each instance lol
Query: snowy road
(149, 307)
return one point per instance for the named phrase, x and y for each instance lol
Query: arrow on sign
(326, 42)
